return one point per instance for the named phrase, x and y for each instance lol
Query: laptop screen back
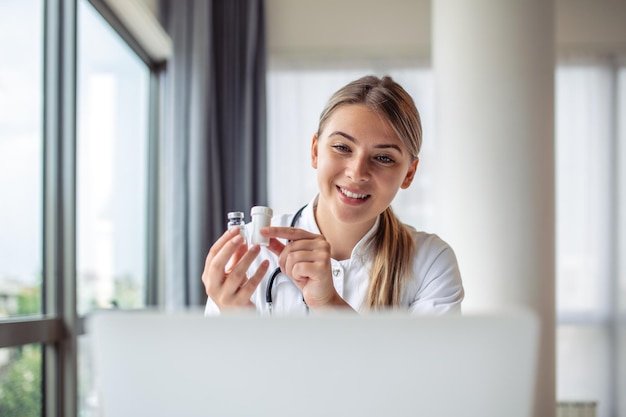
(159, 364)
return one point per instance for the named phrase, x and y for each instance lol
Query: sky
(20, 133)
(112, 140)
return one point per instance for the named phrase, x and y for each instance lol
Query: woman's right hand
(224, 276)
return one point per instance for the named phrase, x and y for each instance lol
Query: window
(20, 383)
(588, 185)
(77, 128)
(112, 179)
(112, 154)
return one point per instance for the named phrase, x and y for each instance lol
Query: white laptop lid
(186, 365)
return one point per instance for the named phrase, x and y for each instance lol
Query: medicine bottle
(261, 217)
(236, 219)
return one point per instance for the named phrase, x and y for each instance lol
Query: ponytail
(393, 248)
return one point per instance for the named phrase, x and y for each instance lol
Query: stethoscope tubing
(270, 284)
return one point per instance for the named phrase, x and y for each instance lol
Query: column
(494, 64)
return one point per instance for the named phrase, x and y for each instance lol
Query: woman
(346, 248)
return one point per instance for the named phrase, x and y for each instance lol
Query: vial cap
(235, 215)
(261, 210)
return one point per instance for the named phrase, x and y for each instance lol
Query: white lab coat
(435, 288)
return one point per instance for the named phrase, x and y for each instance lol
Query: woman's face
(361, 164)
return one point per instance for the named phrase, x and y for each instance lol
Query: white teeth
(353, 195)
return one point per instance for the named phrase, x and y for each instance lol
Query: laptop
(155, 364)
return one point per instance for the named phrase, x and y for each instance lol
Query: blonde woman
(345, 249)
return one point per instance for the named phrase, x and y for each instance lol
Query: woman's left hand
(306, 260)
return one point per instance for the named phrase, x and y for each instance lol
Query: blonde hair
(392, 244)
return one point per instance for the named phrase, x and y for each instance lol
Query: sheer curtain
(213, 150)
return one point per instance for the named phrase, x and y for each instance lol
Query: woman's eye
(384, 159)
(341, 148)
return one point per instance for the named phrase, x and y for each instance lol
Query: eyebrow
(378, 146)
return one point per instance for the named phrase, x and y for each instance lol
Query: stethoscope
(270, 285)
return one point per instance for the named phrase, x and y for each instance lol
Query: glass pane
(583, 178)
(21, 156)
(111, 167)
(21, 381)
(87, 393)
(583, 366)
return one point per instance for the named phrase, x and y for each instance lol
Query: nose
(358, 169)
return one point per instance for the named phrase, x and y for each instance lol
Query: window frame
(59, 325)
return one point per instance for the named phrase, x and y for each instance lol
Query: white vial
(236, 219)
(261, 217)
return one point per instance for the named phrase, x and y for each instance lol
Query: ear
(408, 179)
(314, 151)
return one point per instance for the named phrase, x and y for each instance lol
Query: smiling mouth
(350, 194)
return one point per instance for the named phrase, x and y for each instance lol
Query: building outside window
(21, 204)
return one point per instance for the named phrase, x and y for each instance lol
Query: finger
(217, 260)
(292, 265)
(276, 246)
(237, 277)
(241, 250)
(314, 244)
(219, 244)
(289, 233)
(310, 270)
(221, 258)
(253, 282)
(212, 276)
(315, 251)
